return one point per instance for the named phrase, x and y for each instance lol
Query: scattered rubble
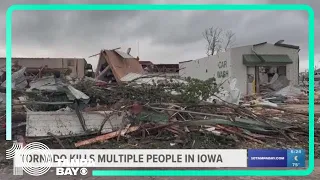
(18, 78)
(138, 110)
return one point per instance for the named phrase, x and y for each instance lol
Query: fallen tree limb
(241, 135)
(256, 117)
(286, 110)
(104, 137)
(251, 127)
(3, 131)
(55, 137)
(191, 112)
(162, 126)
(107, 117)
(264, 120)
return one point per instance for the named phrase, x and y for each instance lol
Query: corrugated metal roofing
(123, 55)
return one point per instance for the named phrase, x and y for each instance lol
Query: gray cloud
(164, 36)
(176, 28)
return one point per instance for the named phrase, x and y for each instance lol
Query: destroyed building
(77, 67)
(113, 65)
(132, 109)
(259, 67)
(161, 69)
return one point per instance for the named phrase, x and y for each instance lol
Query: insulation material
(232, 96)
(280, 83)
(289, 91)
(18, 79)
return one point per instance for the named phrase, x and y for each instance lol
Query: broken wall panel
(120, 66)
(67, 123)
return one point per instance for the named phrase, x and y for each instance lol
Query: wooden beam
(104, 72)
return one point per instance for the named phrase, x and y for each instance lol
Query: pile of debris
(170, 110)
(292, 95)
(145, 111)
(276, 88)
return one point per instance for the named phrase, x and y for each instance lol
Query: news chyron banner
(276, 158)
(37, 159)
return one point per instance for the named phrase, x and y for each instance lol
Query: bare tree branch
(219, 48)
(215, 40)
(230, 40)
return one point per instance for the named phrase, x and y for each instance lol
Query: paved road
(6, 174)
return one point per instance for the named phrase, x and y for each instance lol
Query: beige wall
(76, 65)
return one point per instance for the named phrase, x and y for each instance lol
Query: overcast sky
(163, 36)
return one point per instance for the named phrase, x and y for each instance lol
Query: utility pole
(138, 48)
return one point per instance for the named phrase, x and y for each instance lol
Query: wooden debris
(191, 112)
(59, 141)
(288, 110)
(104, 137)
(125, 130)
(156, 109)
(80, 116)
(241, 135)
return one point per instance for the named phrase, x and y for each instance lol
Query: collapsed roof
(118, 64)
